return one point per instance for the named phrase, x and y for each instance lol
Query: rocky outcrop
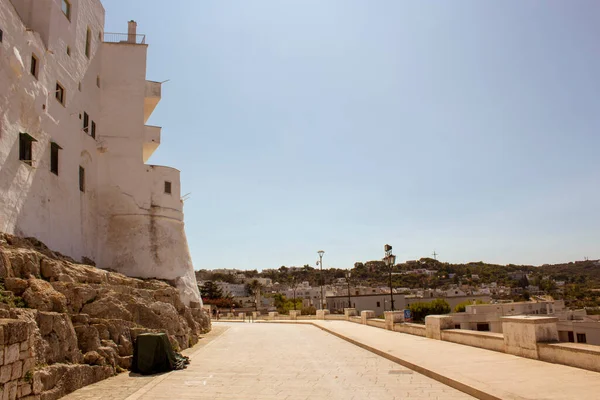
(80, 321)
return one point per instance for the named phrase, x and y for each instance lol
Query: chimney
(132, 32)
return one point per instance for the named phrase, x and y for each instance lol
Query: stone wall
(77, 324)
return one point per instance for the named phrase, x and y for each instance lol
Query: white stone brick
(11, 353)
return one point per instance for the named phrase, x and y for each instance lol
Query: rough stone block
(17, 370)
(28, 365)
(23, 355)
(523, 333)
(2, 357)
(11, 353)
(10, 391)
(80, 319)
(14, 331)
(5, 373)
(24, 389)
(194, 304)
(434, 324)
(24, 345)
(365, 315)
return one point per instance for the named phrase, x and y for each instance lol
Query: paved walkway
(277, 362)
(491, 374)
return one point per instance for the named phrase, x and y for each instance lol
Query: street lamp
(348, 274)
(320, 253)
(390, 261)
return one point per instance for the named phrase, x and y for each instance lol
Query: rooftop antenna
(186, 196)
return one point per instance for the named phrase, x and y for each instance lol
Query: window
(66, 8)
(81, 179)
(93, 129)
(54, 148)
(483, 327)
(68, 51)
(378, 304)
(88, 42)
(456, 326)
(60, 93)
(570, 337)
(98, 80)
(25, 148)
(34, 66)
(1, 33)
(167, 187)
(79, 86)
(86, 122)
(581, 338)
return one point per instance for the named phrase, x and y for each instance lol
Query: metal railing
(124, 38)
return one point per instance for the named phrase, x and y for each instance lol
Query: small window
(378, 304)
(54, 148)
(456, 326)
(66, 8)
(60, 93)
(34, 66)
(69, 51)
(88, 42)
(93, 130)
(581, 338)
(81, 179)
(86, 122)
(79, 86)
(98, 80)
(26, 148)
(1, 34)
(167, 187)
(570, 337)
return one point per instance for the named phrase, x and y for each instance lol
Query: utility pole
(435, 255)
(390, 261)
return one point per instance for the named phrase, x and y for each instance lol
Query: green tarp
(153, 353)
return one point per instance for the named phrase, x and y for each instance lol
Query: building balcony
(151, 140)
(124, 38)
(151, 99)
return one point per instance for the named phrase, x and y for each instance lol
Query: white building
(233, 289)
(74, 143)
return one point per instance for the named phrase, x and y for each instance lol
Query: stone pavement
(483, 373)
(276, 362)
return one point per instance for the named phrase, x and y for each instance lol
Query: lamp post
(390, 261)
(348, 282)
(320, 253)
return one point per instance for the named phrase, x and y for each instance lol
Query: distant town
(477, 294)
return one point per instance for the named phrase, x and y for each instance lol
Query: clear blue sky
(468, 127)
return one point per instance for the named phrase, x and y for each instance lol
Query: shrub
(435, 307)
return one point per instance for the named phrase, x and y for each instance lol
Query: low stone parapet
(434, 324)
(350, 312)
(273, 314)
(294, 314)
(242, 315)
(322, 313)
(523, 333)
(393, 317)
(365, 315)
(255, 314)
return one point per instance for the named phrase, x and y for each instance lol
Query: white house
(74, 143)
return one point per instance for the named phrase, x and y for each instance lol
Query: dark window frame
(66, 8)
(26, 148)
(69, 51)
(81, 179)
(54, 157)
(86, 122)
(34, 67)
(61, 93)
(93, 130)
(1, 35)
(88, 42)
(581, 336)
(168, 187)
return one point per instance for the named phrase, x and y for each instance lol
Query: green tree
(211, 290)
